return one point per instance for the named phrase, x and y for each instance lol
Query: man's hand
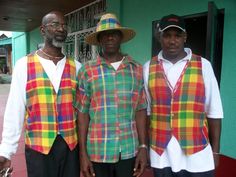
(4, 163)
(140, 162)
(86, 166)
(5, 167)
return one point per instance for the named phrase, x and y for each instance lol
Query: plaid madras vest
(49, 113)
(179, 113)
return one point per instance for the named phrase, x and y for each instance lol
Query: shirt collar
(127, 59)
(62, 61)
(187, 57)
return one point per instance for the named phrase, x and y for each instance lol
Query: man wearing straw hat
(111, 105)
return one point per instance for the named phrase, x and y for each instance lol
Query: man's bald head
(54, 29)
(50, 16)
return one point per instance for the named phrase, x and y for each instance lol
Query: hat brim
(172, 26)
(127, 34)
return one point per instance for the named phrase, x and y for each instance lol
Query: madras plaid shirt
(49, 113)
(179, 113)
(111, 98)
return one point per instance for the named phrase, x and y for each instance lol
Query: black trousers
(167, 172)
(60, 162)
(122, 168)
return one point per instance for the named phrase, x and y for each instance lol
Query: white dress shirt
(16, 104)
(173, 156)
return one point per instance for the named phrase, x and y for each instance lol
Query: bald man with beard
(41, 99)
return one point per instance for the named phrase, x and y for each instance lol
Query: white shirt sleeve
(15, 110)
(213, 104)
(145, 77)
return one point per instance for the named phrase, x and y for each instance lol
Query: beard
(57, 44)
(56, 41)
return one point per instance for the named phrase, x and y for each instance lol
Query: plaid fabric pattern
(111, 98)
(181, 113)
(49, 113)
(108, 24)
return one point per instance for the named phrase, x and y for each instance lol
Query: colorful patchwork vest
(179, 113)
(49, 113)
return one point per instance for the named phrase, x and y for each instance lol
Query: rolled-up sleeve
(82, 101)
(142, 103)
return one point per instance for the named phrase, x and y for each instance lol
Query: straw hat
(109, 22)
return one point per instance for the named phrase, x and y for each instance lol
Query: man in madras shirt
(184, 105)
(112, 107)
(41, 98)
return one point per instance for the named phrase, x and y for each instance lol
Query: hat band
(107, 24)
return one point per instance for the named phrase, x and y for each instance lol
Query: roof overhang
(26, 15)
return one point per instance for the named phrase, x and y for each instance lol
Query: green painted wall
(24, 43)
(34, 38)
(114, 7)
(139, 15)
(19, 45)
